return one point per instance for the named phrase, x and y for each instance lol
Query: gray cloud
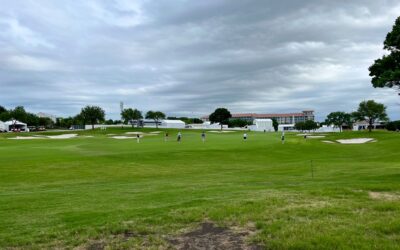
(189, 57)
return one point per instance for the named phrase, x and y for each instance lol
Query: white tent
(172, 124)
(17, 125)
(2, 127)
(262, 125)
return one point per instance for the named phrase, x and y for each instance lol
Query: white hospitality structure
(9, 126)
(262, 125)
(207, 125)
(172, 124)
(2, 127)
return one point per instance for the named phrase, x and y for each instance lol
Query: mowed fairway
(66, 193)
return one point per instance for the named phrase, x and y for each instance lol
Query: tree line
(19, 113)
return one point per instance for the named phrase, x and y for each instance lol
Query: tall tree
(300, 126)
(371, 111)
(220, 115)
(156, 116)
(130, 115)
(338, 119)
(275, 124)
(2, 109)
(92, 115)
(310, 125)
(19, 113)
(385, 72)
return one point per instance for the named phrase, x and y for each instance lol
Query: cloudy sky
(190, 57)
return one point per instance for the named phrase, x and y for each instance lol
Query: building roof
(14, 122)
(254, 115)
(265, 115)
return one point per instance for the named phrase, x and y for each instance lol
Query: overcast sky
(190, 57)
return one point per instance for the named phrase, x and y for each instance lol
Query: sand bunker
(122, 137)
(26, 138)
(316, 136)
(355, 141)
(134, 133)
(218, 131)
(155, 132)
(328, 141)
(63, 136)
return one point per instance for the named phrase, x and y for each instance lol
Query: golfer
(137, 138)
(203, 136)
(245, 136)
(166, 136)
(283, 137)
(179, 136)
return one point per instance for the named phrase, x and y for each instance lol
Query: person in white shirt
(179, 136)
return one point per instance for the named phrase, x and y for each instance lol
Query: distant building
(284, 118)
(44, 115)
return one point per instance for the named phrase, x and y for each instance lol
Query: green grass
(66, 193)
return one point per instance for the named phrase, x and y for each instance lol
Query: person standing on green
(203, 136)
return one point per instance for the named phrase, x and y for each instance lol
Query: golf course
(102, 189)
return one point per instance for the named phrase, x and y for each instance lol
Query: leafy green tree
(371, 111)
(19, 113)
(64, 122)
(129, 115)
(156, 116)
(2, 109)
(301, 126)
(385, 72)
(5, 116)
(275, 124)
(338, 119)
(238, 123)
(393, 126)
(31, 119)
(310, 125)
(45, 122)
(92, 115)
(109, 122)
(220, 115)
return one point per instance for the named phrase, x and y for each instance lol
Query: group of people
(179, 136)
(203, 137)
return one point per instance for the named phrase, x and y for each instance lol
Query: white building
(207, 125)
(9, 126)
(262, 125)
(286, 127)
(44, 115)
(363, 125)
(172, 124)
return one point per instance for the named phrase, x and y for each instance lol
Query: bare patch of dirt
(96, 246)
(209, 236)
(384, 196)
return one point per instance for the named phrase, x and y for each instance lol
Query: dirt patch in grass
(384, 196)
(209, 236)
(96, 246)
